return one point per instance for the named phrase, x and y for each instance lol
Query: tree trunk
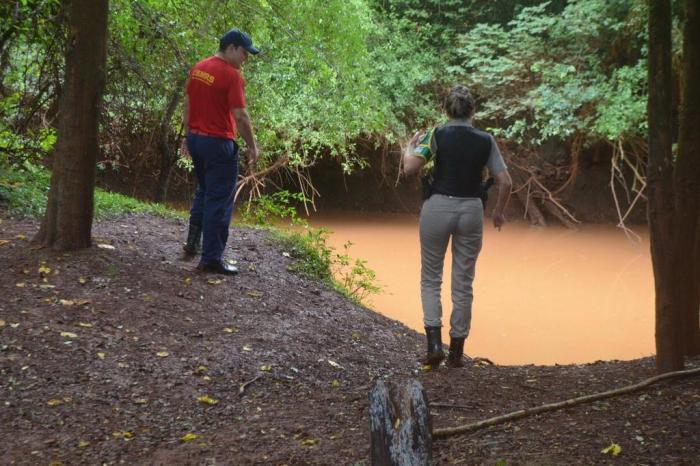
(400, 426)
(166, 147)
(67, 223)
(687, 182)
(669, 346)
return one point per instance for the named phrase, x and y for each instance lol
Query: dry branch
(241, 389)
(450, 431)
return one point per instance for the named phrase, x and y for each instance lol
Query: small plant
(270, 208)
(358, 280)
(316, 259)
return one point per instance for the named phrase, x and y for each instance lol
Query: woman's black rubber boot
(194, 240)
(435, 352)
(456, 356)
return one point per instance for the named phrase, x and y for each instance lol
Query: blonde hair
(459, 102)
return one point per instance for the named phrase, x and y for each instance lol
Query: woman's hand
(499, 220)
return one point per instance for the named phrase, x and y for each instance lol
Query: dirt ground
(123, 354)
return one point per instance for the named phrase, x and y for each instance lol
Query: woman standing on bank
(454, 210)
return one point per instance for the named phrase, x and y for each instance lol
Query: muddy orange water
(541, 296)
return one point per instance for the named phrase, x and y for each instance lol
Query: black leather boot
(194, 240)
(456, 356)
(435, 353)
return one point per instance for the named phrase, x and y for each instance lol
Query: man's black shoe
(218, 267)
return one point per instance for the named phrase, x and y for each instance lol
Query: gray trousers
(442, 218)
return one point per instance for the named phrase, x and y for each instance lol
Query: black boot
(194, 240)
(435, 354)
(455, 357)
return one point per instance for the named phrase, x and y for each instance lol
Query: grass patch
(24, 191)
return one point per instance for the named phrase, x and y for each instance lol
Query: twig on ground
(448, 405)
(450, 431)
(243, 386)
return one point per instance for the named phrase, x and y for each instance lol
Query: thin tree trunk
(67, 223)
(166, 147)
(687, 182)
(669, 345)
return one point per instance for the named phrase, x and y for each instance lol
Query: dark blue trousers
(216, 167)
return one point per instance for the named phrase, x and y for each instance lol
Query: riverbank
(122, 353)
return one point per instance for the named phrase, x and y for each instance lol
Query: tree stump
(400, 425)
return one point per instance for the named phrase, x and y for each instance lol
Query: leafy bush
(314, 258)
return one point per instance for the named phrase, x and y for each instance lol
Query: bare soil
(114, 355)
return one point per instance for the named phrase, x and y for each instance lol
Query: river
(541, 295)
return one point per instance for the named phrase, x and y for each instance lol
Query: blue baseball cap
(239, 38)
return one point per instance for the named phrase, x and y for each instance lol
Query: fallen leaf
(356, 336)
(20, 237)
(82, 302)
(206, 399)
(101, 355)
(266, 368)
(162, 354)
(54, 402)
(189, 437)
(125, 435)
(67, 302)
(335, 383)
(46, 287)
(3, 242)
(69, 335)
(335, 364)
(83, 444)
(230, 330)
(141, 401)
(44, 270)
(84, 324)
(254, 294)
(397, 424)
(188, 281)
(309, 442)
(2, 323)
(20, 285)
(247, 348)
(106, 246)
(614, 449)
(214, 281)
(82, 280)
(201, 369)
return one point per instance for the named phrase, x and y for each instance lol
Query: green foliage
(354, 276)
(311, 251)
(547, 75)
(108, 205)
(269, 209)
(24, 191)
(314, 258)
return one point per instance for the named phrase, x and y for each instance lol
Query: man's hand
(499, 220)
(251, 154)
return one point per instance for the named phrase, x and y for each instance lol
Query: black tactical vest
(462, 153)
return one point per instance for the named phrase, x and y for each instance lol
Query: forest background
(339, 87)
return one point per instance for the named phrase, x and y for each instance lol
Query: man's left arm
(245, 128)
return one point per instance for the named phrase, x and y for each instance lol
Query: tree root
(450, 431)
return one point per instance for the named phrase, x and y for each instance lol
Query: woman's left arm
(412, 163)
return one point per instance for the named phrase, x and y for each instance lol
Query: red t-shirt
(214, 88)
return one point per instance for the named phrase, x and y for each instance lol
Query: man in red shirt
(215, 111)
